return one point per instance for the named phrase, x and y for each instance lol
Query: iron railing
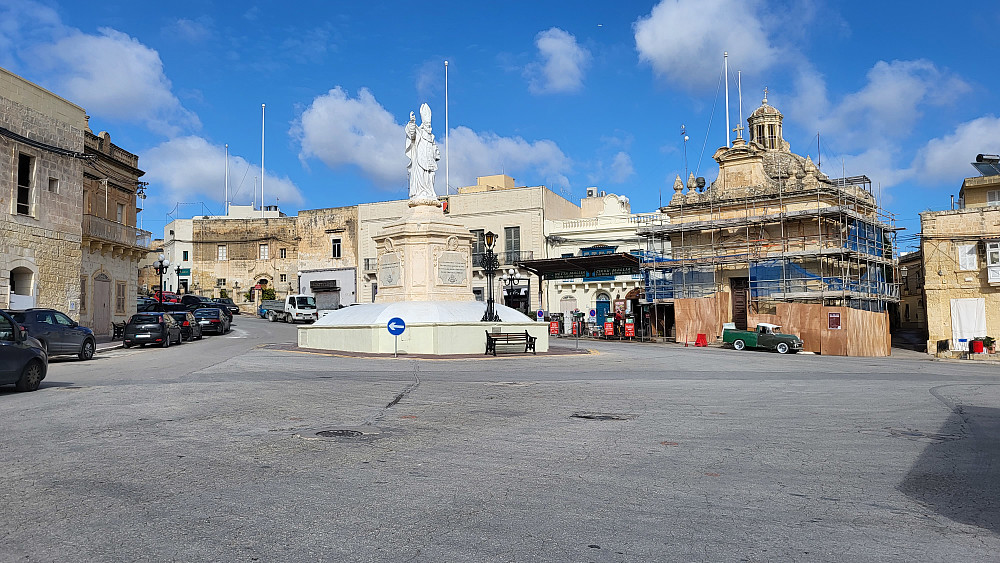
(102, 229)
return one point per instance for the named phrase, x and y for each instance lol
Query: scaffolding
(829, 243)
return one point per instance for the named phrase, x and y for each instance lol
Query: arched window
(22, 283)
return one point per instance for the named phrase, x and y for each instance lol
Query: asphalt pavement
(243, 448)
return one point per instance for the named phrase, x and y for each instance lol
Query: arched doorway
(22, 288)
(603, 307)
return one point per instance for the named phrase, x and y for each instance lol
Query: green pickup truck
(766, 335)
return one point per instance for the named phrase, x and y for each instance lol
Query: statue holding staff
(423, 153)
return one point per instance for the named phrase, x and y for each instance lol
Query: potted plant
(990, 344)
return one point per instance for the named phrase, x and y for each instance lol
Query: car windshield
(18, 317)
(140, 319)
(305, 303)
(206, 313)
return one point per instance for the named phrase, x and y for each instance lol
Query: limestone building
(912, 312)
(112, 244)
(606, 226)
(327, 256)
(41, 195)
(961, 258)
(773, 239)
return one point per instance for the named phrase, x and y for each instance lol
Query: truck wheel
(289, 319)
(782, 348)
(739, 344)
(271, 316)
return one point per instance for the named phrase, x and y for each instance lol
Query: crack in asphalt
(370, 421)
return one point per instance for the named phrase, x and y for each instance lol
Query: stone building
(961, 258)
(606, 226)
(112, 244)
(41, 195)
(773, 239)
(912, 313)
(328, 256)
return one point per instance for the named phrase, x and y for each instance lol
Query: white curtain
(968, 321)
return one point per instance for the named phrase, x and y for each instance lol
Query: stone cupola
(765, 127)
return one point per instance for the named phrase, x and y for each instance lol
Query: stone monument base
(434, 328)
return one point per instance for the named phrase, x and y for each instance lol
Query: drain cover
(340, 433)
(603, 416)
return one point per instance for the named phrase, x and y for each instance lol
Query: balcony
(104, 235)
(509, 258)
(371, 264)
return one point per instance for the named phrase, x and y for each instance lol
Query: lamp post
(236, 290)
(490, 263)
(177, 270)
(161, 266)
(510, 280)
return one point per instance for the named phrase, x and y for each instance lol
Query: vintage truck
(766, 335)
(293, 308)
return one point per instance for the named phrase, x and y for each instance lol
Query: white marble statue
(423, 154)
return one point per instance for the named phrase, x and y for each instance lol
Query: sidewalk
(104, 343)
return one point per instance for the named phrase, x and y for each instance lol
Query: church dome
(765, 126)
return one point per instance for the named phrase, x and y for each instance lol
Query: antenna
(819, 155)
(739, 90)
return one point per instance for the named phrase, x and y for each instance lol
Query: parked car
(212, 319)
(157, 307)
(140, 301)
(190, 329)
(233, 307)
(766, 335)
(152, 328)
(23, 362)
(58, 334)
(168, 297)
(207, 304)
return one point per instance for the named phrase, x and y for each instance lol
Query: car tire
(31, 376)
(739, 344)
(142, 345)
(87, 350)
(126, 345)
(271, 316)
(166, 341)
(782, 348)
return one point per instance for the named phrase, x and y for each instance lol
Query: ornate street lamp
(490, 263)
(510, 280)
(161, 266)
(177, 270)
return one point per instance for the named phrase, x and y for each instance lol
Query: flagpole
(725, 72)
(447, 158)
(226, 207)
(262, 160)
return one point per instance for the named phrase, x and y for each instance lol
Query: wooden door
(102, 304)
(741, 294)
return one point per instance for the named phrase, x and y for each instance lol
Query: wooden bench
(492, 339)
(118, 330)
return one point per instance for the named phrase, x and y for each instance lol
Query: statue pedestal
(424, 257)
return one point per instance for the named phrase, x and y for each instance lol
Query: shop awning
(596, 265)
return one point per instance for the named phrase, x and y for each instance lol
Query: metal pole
(227, 180)
(447, 159)
(725, 58)
(395, 345)
(262, 160)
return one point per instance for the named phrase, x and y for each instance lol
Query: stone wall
(43, 245)
(243, 265)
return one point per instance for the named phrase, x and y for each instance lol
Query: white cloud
(946, 159)
(561, 63)
(191, 30)
(340, 130)
(24, 22)
(684, 40)
(621, 168)
(116, 77)
(189, 169)
(359, 132)
(481, 154)
(888, 106)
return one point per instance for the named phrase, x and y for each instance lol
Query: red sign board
(609, 328)
(554, 327)
(629, 330)
(574, 327)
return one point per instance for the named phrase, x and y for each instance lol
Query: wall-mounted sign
(834, 321)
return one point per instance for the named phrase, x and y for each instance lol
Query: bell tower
(765, 127)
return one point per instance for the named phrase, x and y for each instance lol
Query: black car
(152, 328)
(210, 305)
(212, 319)
(157, 307)
(23, 362)
(233, 307)
(190, 329)
(58, 334)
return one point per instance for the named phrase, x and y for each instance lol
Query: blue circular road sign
(396, 326)
(593, 312)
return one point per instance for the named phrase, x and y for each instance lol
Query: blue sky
(565, 94)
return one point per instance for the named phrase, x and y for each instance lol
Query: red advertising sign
(574, 327)
(629, 330)
(554, 327)
(609, 328)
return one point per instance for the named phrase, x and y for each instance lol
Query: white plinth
(432, 327)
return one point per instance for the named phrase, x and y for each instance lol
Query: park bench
(492, 339)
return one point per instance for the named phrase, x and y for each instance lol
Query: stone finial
(692, 182)
(678, 185)
(809, 166)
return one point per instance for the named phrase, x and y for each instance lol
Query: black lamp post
(490, 263)
(161, 266)
(510, 280)
(177, 270)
